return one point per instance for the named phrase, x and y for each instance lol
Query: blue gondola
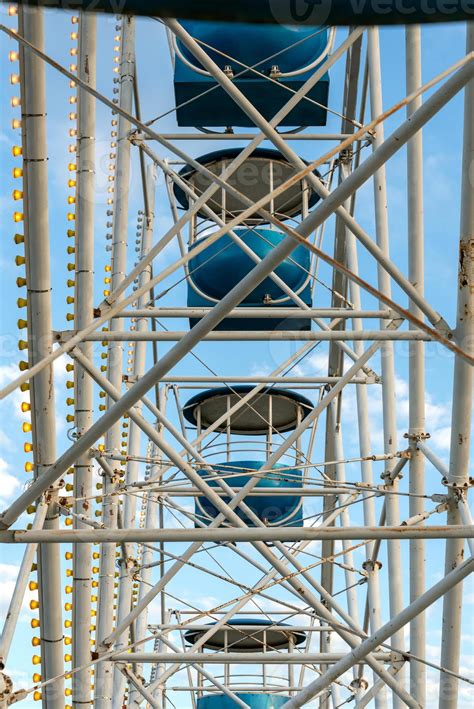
(289, 55)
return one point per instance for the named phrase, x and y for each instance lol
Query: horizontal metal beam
(247, 136)
(248, 627)
(255, 336)
(241, 658)
(258, 491)
(262, 380)
(336, 12)
(268, 312)
(235, 534)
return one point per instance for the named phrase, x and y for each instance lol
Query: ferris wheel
(242, 271)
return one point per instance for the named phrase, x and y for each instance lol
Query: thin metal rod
(463, 387)
(18, 595)
(433, 459)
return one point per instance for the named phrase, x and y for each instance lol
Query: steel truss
(353, 578)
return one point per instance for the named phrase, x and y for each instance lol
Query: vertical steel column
(130, 503)
(37, 251)
(387, 350)
(84, 392)
(416, 369)
(462, 402)
(104, 670)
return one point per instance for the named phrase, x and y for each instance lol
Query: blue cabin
(287, 54)
(272, 410)
(213, 272)
(247, 635)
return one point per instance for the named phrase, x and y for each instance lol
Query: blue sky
(442, 46)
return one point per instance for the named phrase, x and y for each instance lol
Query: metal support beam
(226, 534)
(104, 672)
(463, 387)
(40, 343)
(416, 370)
(84, 395)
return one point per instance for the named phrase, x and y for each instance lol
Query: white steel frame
(134, 656)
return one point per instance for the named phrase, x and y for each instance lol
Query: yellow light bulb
(12, 10)
(68, 691)
(29, 467)
(74, 19)
(19, 260)
(67, 658)
(71, 199)
(17, 217)
(16, 124)
(17, 172)
(26, 427)
(15, 101)
(72, 99)
(34, 623)
(36, 660)
(71, 167)
(34, 605)
(72, 132)
(73, 51)
(68, 522)
(25, 406)
(14, 79)
(74, 35)
(68, 606)
(71, 183)
(13, 56)
(28, 447)
(71, 217)
(36, 678)
(36, 642)
(17, 151)
(17, 194)
(72, 67)
(37, 696)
